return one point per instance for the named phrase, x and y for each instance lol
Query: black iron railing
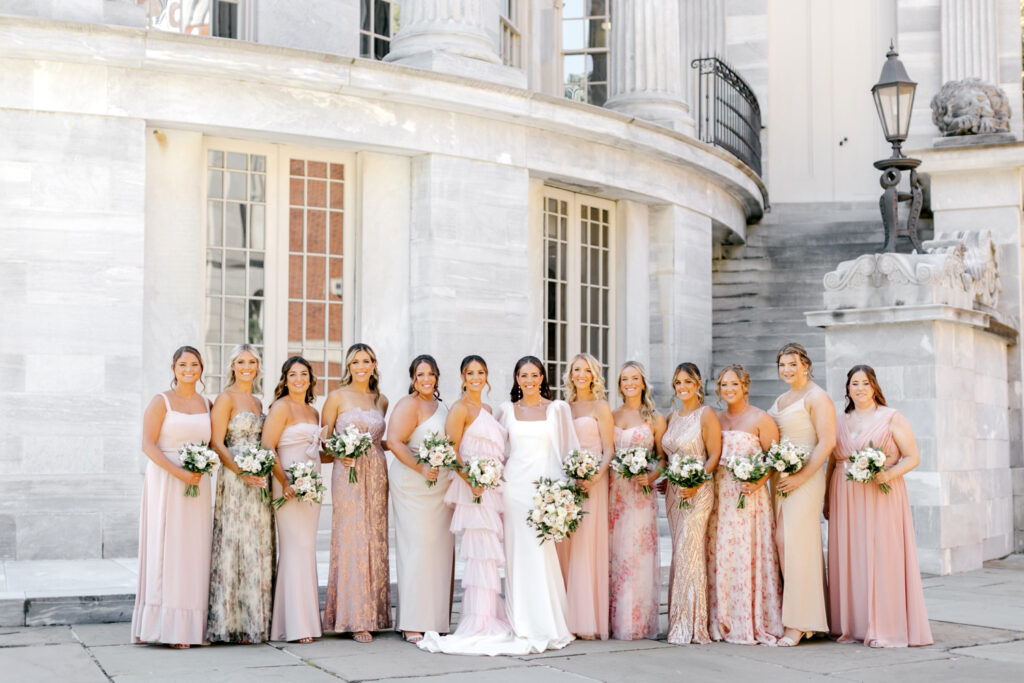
(728, 115)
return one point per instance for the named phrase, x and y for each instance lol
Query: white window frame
(275, 314)
(510, 36)
(574, 315)
(166, 15)
(393, 24)
(584, 52)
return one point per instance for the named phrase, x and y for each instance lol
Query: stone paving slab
(1012, 653)
(68, 663)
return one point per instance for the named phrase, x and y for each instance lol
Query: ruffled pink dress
(483, 627)
(875, 591)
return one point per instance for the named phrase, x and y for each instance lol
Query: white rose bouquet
(258, 462)
(685, 471)
(197, 457)
(557, 510)
(484, 472)
(307, 482)
(351, 442)
(581, 465)
(629, 463)
(748, 468)
(786, 458)
(865, 464)
(438, 452)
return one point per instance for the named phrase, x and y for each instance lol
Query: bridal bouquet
(865, 464)
(256, 461)
(748, 468)
(484, 472)
(308, 484)
(437, 451)
(786, 458)
(349, 443)
(557, 510)
(581, 465)
(685, 471)
(197, 457)
(632, 462)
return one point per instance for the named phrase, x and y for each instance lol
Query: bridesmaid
(483, 628)
(586, 569)
(744, 585)
(292, 429)
(635, 574)
(359, 583)
(806, 416)
(174, 530)
(424, 544)
(242, 570)
(693, 430)
(874, 581)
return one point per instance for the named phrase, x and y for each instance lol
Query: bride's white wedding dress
(535, 602)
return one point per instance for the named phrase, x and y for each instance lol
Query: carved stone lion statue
(971, 107)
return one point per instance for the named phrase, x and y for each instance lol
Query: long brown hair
(545, 390)
(464, 365)
(429, 360)
(178, 353)
(869, 372)
(282, 387)
(693, 371)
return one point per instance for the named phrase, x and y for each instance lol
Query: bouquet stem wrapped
(685, 471)
(350, 443)
(749, 469)
(200, 458)
(630, 463)
(259, 462)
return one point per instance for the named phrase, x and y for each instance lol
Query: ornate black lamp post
(894, 99)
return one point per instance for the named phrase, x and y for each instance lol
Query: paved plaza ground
(977, 619)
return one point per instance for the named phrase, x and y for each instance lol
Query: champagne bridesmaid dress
(874, 582)
(688, 584)
(635, 575)
(175, 533)
(297, 593)
(359, 584)
(483, 628)
(798, 531)
(744, 585)
(586, 567)
(242, 569)
(424, 544)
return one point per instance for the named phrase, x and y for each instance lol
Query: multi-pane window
(578, 279)
(378, 23)
(236, 239)
(316, 207)
(221, 18)
(511, 36)
(585, 38)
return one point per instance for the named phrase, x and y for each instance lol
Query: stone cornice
(210, 58)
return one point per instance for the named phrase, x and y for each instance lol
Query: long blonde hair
(257, 383)
(596, 384)
(346, 373)
(648, 411)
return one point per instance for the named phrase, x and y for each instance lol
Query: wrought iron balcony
(728, 115)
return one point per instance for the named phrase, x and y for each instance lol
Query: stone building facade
(428, 176)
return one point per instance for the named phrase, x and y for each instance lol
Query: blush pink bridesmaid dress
(297, 591)
(586, 568)
(875, 591)
(175, 534)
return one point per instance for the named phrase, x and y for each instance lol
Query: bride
(540, 434)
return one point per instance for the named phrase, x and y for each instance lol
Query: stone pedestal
(646, 80)
(459, 37)
(928, 325)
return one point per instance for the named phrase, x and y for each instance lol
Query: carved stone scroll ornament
(971, 107)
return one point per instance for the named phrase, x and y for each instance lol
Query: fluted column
(646, 80)
(703, 35)
(970, 40)
(452, 36)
